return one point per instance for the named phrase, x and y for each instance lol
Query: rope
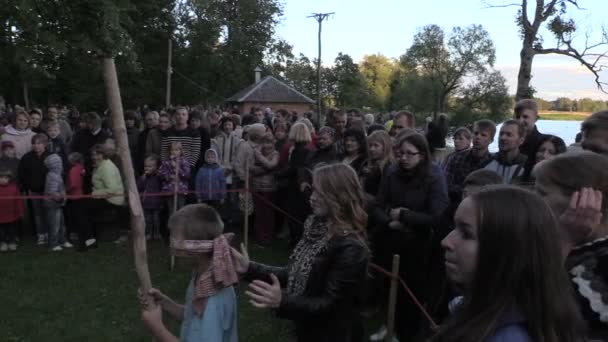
(105, 196)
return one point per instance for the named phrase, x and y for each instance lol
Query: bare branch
(597, 64)
(490, 5)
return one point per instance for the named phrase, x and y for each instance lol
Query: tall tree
(345, 83)
(377, 71)
(531, 15)
(447, 61)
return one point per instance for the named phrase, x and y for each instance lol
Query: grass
(568, 116)
(71, 296)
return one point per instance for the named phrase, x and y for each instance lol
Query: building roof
(269, 89)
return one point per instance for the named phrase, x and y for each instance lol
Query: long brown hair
(384, 139)
(339, 186)
(519, 263)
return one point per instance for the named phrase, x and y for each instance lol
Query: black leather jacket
(328, 310)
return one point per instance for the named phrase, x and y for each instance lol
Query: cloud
(553, 79)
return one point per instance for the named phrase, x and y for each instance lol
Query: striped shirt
(190, 140)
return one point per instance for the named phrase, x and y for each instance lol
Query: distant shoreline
(562, 115)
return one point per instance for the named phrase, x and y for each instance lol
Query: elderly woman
(322, 282)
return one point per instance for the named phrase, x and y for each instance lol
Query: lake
(567, 130)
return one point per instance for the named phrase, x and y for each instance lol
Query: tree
(486, 97)
(377, 71)
(467, 51)
(345, 83)
(564, 30)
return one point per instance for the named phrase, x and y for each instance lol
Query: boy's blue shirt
(219, 321)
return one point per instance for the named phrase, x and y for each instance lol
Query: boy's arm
(176, 311)
(153, 320)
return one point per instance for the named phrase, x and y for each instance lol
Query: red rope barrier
(149, 194)
(275, 207)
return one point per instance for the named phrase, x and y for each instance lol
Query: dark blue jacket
(211, 183)
(150, 185)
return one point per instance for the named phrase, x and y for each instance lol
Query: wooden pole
(246, 207)
(392, 300)
(120, 133)
(169, 71)
(175, 203)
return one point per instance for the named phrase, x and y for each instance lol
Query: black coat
(423, 195)
(32, 172)
(328, 310)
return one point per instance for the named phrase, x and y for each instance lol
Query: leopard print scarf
(313, 243)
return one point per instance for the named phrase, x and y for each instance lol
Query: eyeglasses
(398, 127)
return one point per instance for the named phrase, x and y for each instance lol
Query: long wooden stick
(177, 161)
(120, 133)
(246, 195)
(392, 300)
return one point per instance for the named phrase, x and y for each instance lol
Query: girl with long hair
(505, 257)
(575, 186)
(327, 267)
(380, 160)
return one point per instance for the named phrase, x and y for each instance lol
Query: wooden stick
(392, 300)
(120, 133)
(175, 204)
(246, 207)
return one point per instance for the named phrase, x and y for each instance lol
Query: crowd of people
(505, 246)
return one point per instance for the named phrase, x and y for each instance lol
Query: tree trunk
(120, 133)
(525, 72)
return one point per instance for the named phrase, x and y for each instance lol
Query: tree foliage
(446, 61)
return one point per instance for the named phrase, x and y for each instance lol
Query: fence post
(174, 204)
(246, 206)
(392, 300)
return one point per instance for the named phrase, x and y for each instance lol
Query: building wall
(298, 107)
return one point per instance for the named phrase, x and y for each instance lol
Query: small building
(269, 92)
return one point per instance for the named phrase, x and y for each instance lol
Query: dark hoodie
(211, 181)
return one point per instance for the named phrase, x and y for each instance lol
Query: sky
(361, 27)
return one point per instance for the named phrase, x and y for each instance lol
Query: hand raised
(241, 260)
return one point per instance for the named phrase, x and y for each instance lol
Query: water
(567, 130)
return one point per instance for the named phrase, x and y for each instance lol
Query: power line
(319, 17)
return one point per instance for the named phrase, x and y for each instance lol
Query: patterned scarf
(312, 244)
(219, 275)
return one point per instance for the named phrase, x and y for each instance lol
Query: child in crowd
(175, 174)
(147, 183)
(12, 211)
(211, 181)
(75, 187)
(264, 186)
(56, 144)
(31, 175)
(209, 313)
(8, 158)
(54, 188)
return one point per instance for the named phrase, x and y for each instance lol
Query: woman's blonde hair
(299, 133)
(383, 139)
(338, 185)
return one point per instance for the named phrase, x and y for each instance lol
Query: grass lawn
(568, 116)
(71, 296)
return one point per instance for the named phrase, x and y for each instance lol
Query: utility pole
(169, 71)
(319, 17)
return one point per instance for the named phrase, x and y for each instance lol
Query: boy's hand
(583, 215)
(152, 318)
(156, 294)
(241, 260)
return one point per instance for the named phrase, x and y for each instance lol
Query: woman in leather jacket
(321, 287)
